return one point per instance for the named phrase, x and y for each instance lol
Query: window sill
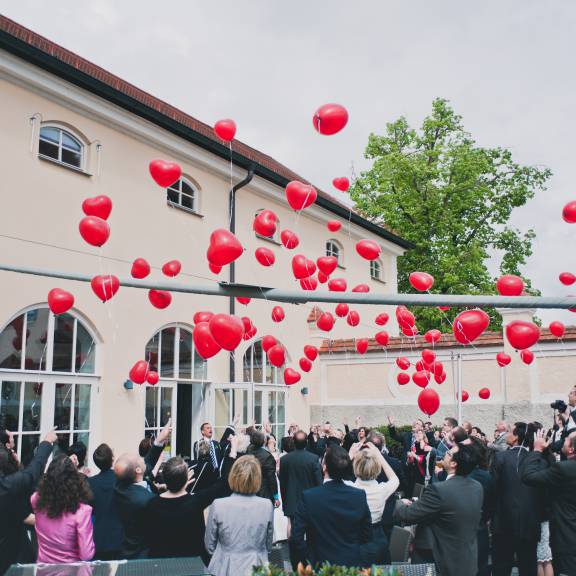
(379, 280)
(64, 165)
(268, 239)
(341, 266)
(184, 209)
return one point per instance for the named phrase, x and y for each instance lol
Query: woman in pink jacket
(63, 516)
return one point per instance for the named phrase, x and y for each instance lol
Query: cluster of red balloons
(140, 373)
(94, 227)
(214, 332)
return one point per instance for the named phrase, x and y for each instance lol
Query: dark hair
(8, 464)
(257, 438)
(459, 434)
(466, 459)
(337, 462)
(79, 450)
(103, 457)
(203, 424)
(62, 488)
(300, 440)
(175, 473)
(525, 434)
(289, 445)
(482, 452)
(478, 431)
(144, 446)
(452, 421)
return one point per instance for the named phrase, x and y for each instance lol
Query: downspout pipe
(232, 278)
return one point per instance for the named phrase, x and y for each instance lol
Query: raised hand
(540, 442)
(165, 432)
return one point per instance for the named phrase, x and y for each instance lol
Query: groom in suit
(215, 448)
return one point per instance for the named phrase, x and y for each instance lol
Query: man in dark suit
(408, 439)
(560, 481)
(269, 486)
(332, 521)
(215, 448)
(451, 512)
(108, 531)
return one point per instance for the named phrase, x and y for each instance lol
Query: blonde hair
(245, 476)
(366, 466)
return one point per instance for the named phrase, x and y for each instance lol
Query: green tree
(452, 199)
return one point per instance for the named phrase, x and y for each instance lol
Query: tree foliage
(452, 199)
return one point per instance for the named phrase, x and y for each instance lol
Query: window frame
(278, 376)
(71, 134)
(339, 248)
(195, 198)
(380, 276)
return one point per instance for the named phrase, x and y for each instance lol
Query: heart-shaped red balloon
(309, 283)
(152, 378)
(410, 331)
(305, 364)
(341, 310)
(440, 377)
(227, 330)
(172, 268)
(214, 268)
(265, 223)
(327, 264)
(428, 401)
(267, 342)
(362, 288)
(567, 278)
(432, 336)
(330, 119)
(105, 287)
(428, 356)
(311, 352)
(250, 333)
(204, 342)
(139, 372)
(557, 328)
(527, 356)
(468, 325)
(361, 345)
(302, 267)
(140, 268)
(368, 249)
(382, 319)
(569, 212)
(382, 338)
(165, 173)
(249, 328)
(99, 206)
(202, 317)
(484, 393)
(465, 395)
(265, 256)
(421, 281)
(405, 317)
(403, 363)
(438, 368)
(159, 298)
(337, 285)
(341, 184)
(353, 318)
(224, 247)
(60, 301)
(325, 322)
(289, 239)
(94, 230)
(276, 355)
(225, 129)
(300, 195)
(510, 285)
(243, 301)
(291, 376)
(277, 314)
(503, 359)
(322, 278)
(522, 335)
(421, 365)
(333, 225)
(403, 378)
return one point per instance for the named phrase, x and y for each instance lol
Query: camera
(559, 405)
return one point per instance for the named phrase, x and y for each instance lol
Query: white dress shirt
(377, 494)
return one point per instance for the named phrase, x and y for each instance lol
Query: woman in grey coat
(240, 528)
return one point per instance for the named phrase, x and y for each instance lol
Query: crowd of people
(475, 505)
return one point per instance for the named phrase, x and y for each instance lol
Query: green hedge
(395, 448)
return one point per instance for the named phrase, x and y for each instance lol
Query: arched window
(258, 369)
(376, 270)
(183, 194)
(61, 146)
(333, 248)
(47, 369)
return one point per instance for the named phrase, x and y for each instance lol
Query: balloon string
(231, 185)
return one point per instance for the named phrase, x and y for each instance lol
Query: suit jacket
(299, 471)
(500, 444)
(217, 450)
(560, 481)
(396, 465)
(451, 510)
(336, 521)
(269, 487)
(151, 459)
(108, 531)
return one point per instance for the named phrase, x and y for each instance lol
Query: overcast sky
(506, 66)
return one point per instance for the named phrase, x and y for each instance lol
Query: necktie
(213, 456)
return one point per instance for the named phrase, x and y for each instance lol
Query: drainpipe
(232, 277)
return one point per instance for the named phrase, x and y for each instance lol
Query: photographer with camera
(566, 414)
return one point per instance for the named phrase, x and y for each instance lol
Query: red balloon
(139, 372)
(227, 330)
(404, 316)
(440, 378)
(503, 359)
(277, 314)
(557, 328)
(341, 310)
(403, 363)
(300, 195)
(165, 173)
(105, 287)
(333, 225)
(569, 212)
(382, 319)
(202, 317)
(327, 264)
(322, 278)
(265, 223)
(265, 256)
(224, 247)
(305, 364)
(243, 301)
(268, 342)
(465, 395)
(567, 278)
(302, 267)
(159, 298)
(172, 268)
(291, 376)
(289, 239)
(510, 285)
(428, 356)
(409, 331)
(421, 365)
(361, 345)
(403, 378)
(247, 323)
(309, 283)
(353, 318)
(468, 325)
(152, 378)
(527, 356)
(432, 336)
(214, 268)
(204, 342)
(438, 368)
(277, 355)
(60, 301)
(225, 129)
(140, 268)
(443, 308)
(325, 322)
(330, 119)
(311, 352)
(428, 401)
(362, 288)
(382, 338)
(337, 285)
(522, 335)
(94, 230)
(341, 184)
(368, 249)
(484, 393)
(250, 334)
(99, 206)
(421, 281)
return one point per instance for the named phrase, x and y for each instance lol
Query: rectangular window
(72, 413)
(63, 343)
